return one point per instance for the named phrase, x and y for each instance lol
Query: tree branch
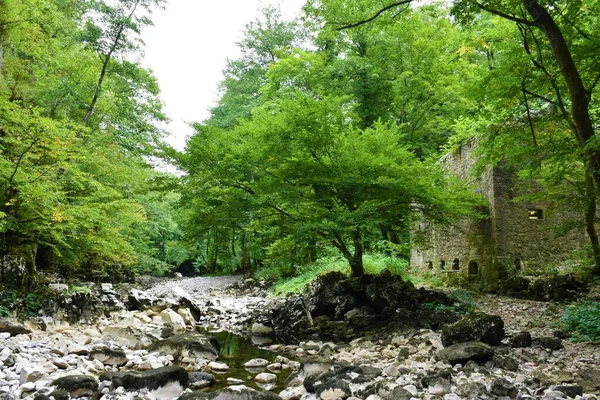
(505, 16)
(376, 15)
(528, 113)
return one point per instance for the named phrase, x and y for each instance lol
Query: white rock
(412, 389)
(174, 319)
(28, 387)
(256, 363)
(30, 374)
(218, 366)
(265, 377)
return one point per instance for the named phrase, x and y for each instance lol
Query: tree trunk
(356, 263)
(590, 219)
(246, 257)
(580, 101)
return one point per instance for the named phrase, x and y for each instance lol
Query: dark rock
(399, 393)
(460, 353)
(521, 339)
(477, 326)
(445, 374)
(77, 385)
(570, 390)
(139, 300)
(550, 343)
(556, 288)
(13, 327)
(502, 387)
(152, 379)
(190, 343)
(506, 362)
(199, 380)
(109, 356)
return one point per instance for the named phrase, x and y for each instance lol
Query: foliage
(374, 265)
(582, 320)
(24, 304)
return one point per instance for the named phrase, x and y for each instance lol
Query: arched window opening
(442, 264)
(430, 264)
(456, 264)
(473, 268)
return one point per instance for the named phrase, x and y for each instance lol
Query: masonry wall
(510, 239)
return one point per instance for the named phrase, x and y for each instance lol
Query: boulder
(140, 300)
(521, 339)
(174, 376)
(259, 329)
(13, 327)
(189, 345)
(77, 385)
(109, 356)
(333, 389)
(502, 387)
(171, 317)
(476, 326)
(201, 380)
(550, 343)
(460, 353)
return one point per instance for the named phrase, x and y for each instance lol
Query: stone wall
(515, 235)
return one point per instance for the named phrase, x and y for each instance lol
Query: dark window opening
(473, 268)
(442, 264)
(455, 264)
(536, 214)
(430, 264)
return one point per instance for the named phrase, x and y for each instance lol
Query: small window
(456, 264)
(430, 264)
(442, 264)
(536, 214)
(473, 268)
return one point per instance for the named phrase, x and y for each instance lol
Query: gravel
(195, 286)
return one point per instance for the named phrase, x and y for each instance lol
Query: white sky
(187, 49)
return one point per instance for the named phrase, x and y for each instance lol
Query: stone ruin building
(515, 237)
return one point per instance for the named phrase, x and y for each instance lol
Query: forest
(321, 152)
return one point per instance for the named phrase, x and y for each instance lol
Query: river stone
(218, 366)
(200, 380)
(108, 356)
(30, 373)
(460, 353)
(259, 329)
(315, 364)
(265, 377)
(570, 390)
(256, 363)
(13, 327)
(189, 345)
(77, 385)
(502, 387)
(476, 326)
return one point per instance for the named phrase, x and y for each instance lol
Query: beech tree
(567, 30)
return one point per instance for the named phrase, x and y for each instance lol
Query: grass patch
(582, 321)
(374, 264)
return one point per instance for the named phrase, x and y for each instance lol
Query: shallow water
(237, 350)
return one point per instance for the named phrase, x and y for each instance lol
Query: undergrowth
(15, 302)
(582, 321)
(373, 263)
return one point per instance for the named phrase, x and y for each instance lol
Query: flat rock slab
(460, 353)
(108, 356)
(238, 392)
(13, 327)
(151, 380)
(189, 345)
(476, 326)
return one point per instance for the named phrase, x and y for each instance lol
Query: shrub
(582, 321)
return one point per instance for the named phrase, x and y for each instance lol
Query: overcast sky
(187, 49)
